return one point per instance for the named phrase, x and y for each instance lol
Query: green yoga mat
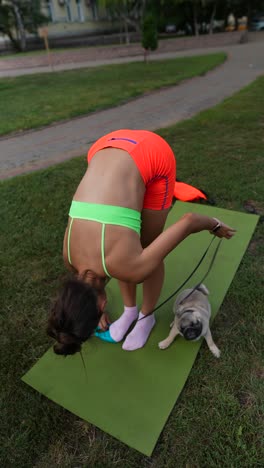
(131, 394)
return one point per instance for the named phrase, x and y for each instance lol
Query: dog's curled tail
(203, 289)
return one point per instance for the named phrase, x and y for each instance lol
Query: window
(80, 11)
(68, 10)
(50, 11)
(93, 5)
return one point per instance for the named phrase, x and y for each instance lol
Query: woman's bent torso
(112, 178)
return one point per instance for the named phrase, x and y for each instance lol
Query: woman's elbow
(188, 217)
(139, 275)
(135, 276)
(189, 220)
(137, 271)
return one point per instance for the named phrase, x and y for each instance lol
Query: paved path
(35, 149)
(20, 64)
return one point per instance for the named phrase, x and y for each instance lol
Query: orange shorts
(154, 159)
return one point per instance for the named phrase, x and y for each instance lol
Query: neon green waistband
(107, 214)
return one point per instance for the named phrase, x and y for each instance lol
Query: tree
(149, 34)
(128, 12)
(200, 12)
(187, 10)
(212, 16)
(17, 17)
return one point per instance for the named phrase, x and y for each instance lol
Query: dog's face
(190, 325)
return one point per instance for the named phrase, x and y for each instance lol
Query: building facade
(70, 22)
(75, 16)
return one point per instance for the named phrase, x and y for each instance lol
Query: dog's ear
(178, 308)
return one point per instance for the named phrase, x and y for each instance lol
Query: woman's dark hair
(74, 316)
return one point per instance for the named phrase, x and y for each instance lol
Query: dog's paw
(216, 352)
(163, 344)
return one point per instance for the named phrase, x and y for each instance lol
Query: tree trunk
(13, 41)
(20, 28)
(196, 27)
(211, 25)
(249, 14)
(143, 9)
(94, 10)
(127, 33)
(120, 33)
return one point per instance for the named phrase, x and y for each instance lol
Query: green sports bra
(104, 214)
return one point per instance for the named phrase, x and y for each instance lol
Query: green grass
(217, 421)
(35, 100)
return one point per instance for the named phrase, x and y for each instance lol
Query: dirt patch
(246, 400)
(254, 207)
(259, 372)
(254, 246)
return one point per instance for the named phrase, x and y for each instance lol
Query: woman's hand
(197, 223)
(104, 322)
(222, 230)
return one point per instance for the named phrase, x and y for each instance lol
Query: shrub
(149, 34)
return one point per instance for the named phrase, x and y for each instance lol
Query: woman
(115, 229)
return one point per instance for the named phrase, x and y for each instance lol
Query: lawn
(35, 100)
(217, 421)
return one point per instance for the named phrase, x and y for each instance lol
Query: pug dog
(192, 315)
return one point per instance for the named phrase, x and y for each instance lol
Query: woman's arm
(152, 256)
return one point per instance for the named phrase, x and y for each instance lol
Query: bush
(149, 33)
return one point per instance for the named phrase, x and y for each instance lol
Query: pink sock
(140, 333)
(119, 328)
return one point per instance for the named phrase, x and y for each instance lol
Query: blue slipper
(104, 335)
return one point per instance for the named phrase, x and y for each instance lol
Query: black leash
(206, 274)
(189, 277)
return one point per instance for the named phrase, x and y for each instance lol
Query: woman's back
(112, 178)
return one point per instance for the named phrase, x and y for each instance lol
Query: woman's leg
(153, 222)
(152, 289)
(119, 328)
(128, 293)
